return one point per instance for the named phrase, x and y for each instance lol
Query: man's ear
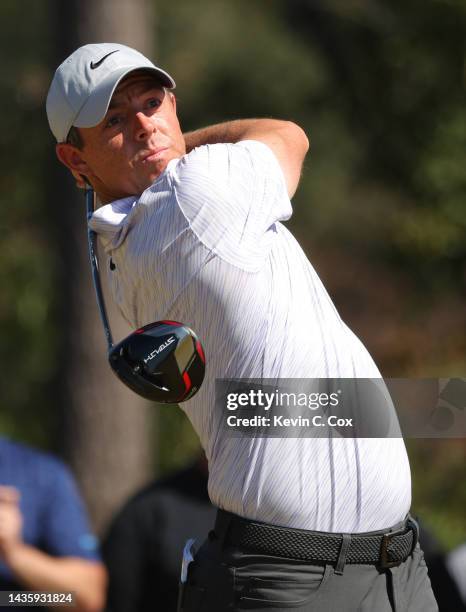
(72, 158)
(172, 99)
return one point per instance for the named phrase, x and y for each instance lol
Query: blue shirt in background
(54, 518)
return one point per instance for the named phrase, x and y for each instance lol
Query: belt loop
(345, 544)
(414, 524)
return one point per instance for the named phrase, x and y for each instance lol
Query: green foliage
(439, 490)
(27, 257)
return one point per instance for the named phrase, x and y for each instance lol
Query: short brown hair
(74, 138)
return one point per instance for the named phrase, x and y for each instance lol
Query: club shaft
(92, 242)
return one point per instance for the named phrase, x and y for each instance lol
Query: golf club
(163, 361)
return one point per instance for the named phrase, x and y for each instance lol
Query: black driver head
(163, 361)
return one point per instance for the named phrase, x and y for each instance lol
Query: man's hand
(286, 139)
(11, 521)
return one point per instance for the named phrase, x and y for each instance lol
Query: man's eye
(154, 103)
(112, 121)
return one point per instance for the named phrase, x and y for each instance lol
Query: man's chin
(142, 183)
(157, 172)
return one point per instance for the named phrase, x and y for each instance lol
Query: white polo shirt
(205, 245)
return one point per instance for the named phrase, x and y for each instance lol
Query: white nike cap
(83, 84)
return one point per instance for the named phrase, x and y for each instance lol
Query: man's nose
(143, 126)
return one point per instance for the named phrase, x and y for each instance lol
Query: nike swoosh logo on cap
(97, 64)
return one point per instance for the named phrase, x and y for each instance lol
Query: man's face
(132, 146)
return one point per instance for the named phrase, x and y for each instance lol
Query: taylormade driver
(163, 361)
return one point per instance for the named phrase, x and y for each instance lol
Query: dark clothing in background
(444, 586)
(144, 545)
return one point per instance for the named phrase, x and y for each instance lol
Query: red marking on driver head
(171, 322)
(200, 351)
(187, 381)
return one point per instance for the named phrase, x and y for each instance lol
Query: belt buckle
(385, 562)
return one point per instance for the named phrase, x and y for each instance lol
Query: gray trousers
(228, 579)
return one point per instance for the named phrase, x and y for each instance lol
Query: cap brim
(96, 106)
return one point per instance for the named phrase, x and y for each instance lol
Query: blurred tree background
(379, 87)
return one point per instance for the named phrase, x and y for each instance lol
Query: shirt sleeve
(66, 526)
(232, 196)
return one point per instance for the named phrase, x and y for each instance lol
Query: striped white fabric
(205, 245)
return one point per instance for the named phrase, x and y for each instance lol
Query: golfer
(192, 228)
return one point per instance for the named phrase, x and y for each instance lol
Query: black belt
(378, 548)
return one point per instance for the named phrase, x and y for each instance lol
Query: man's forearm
(230, 131)
(39, 571)
(287, 140)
